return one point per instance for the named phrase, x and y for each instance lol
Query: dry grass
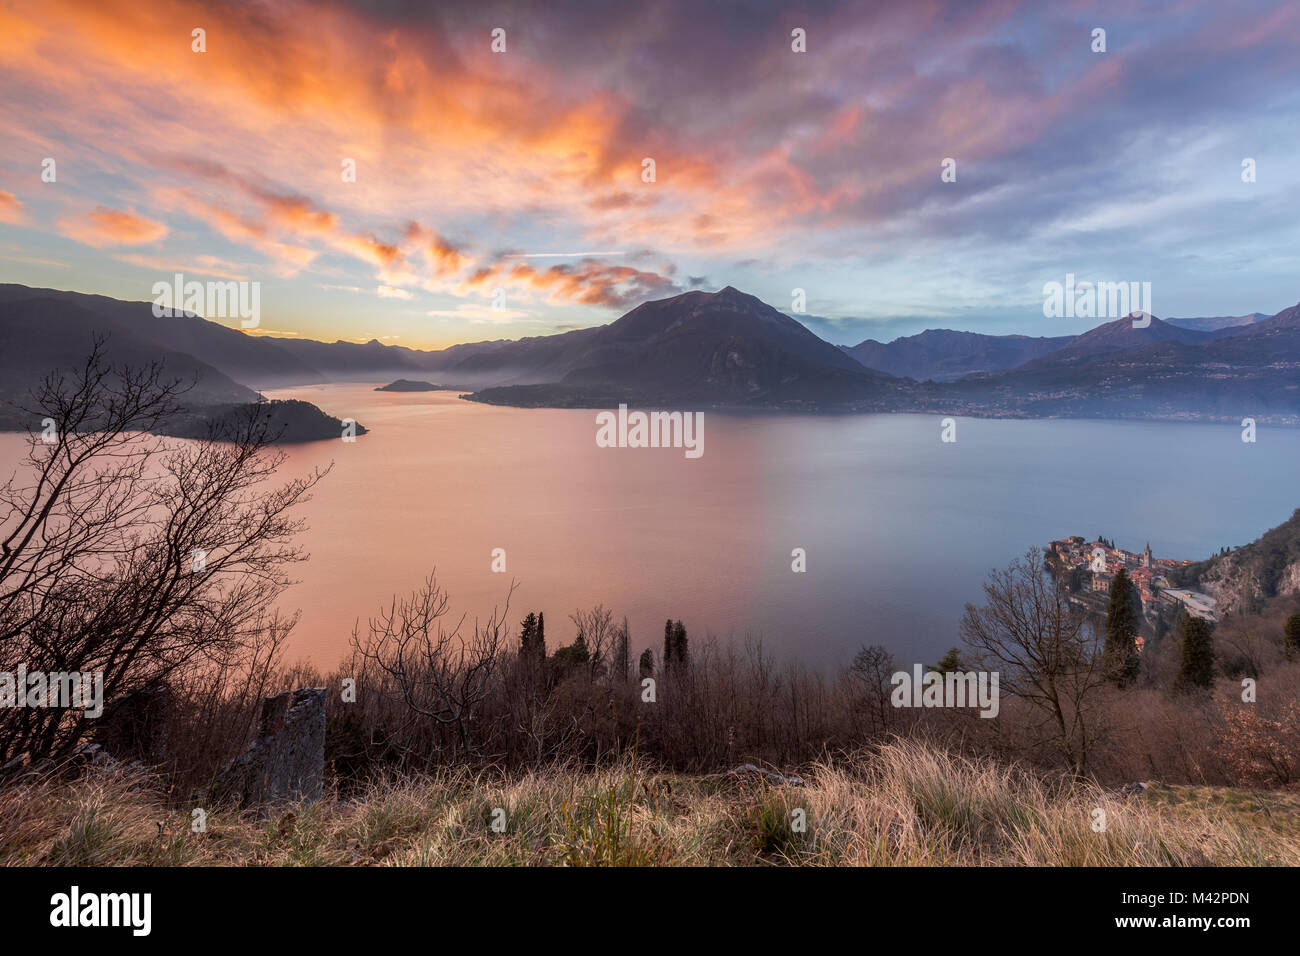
(904, 805)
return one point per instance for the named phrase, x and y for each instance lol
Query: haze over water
(900, 529)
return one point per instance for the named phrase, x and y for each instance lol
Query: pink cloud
(11, 208)
(104, 226)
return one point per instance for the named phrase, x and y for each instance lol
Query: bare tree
(1248, 645)
(125, 555)
(596, 627)
(872, 671)
(435, 672)
(1036, 640)
(543, 719)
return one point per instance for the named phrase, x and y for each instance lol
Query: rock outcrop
(136, 726)
(287, 760)
(132, 735)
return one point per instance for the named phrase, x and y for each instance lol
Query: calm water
(900, 529)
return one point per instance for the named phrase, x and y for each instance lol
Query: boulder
(287, 760)
(136, 726)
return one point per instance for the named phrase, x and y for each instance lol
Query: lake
(899, 528)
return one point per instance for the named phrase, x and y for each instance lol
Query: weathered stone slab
(287, 760)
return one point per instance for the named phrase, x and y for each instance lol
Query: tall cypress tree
(950, 663)
(622, 660)
(679, 644)
(528, 636)
(1197, 667)
(581, 653)
(668, 645)
(541, 636)
(1120, 651)
(1291, 637)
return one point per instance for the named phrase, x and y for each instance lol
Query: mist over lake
(900, 529)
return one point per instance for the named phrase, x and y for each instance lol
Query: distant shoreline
(493, 396)
(412, 385)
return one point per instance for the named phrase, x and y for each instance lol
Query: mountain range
(1117, 371)
(701, 349)
(1219, 322)
(943, 355)
(44, 331)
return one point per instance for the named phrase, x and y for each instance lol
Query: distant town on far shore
(1089, 568)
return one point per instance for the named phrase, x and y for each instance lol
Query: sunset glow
(476, 170)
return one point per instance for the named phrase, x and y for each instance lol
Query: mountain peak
(1287, 318)
(1121, 335)
(724, 345)
(731, 294)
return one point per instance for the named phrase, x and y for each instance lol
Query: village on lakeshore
(1089, 567)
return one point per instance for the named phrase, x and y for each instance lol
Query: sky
(501, 193)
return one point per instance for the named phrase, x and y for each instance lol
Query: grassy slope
(908, 806)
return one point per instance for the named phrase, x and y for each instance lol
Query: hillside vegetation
(904, 804)
(1246, 578)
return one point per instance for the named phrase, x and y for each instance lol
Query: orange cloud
(443, 257)
(113, 227)
(756, 151)
(299, 214)
(199, 265)
(590, 282)
(239, 228)
(429, 113)
(382, 255)
(11, 208)
(443, 133)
